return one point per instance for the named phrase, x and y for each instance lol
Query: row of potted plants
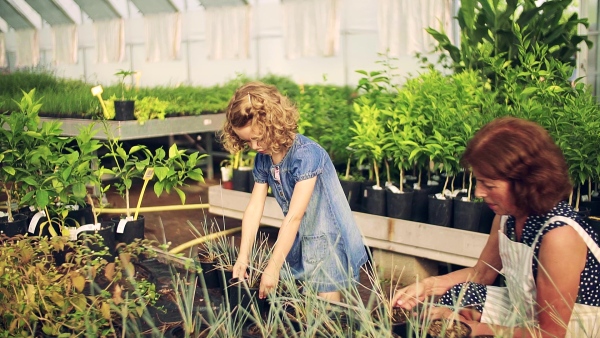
(45, 176)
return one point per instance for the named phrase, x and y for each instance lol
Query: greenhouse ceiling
(28, 14)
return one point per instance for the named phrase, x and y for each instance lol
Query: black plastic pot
(472, 216)
(590, 208)
(210, 275)
(41, 227)
(241, 179)
(107, 232)
(133, 230)
(420, 205)
(399, 205)
(440, 211)
(352, 192)
(17, 227)
(124, 110)
(82, 216)
(242, 296)
(375, 201)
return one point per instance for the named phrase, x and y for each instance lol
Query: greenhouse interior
(299, 168)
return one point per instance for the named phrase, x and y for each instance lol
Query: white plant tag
(74, 232)
(595, 194)
(376, 187)
(430, 182)
(465, 199)
(392, 187)
(122, 223)
(3, 214)
(440, 196)
(435, 177)
(35, 219)
(416, 186)
(73, 207)
(585, 198)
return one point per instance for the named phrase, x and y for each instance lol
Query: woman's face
(247, 134)
(497, 194)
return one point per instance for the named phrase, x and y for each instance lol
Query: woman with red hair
(546, 251)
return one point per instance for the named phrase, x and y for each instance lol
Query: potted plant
(125, 107)
(242, 177)
(243, 292)
(169, 171)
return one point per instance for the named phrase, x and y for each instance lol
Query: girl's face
(497, 194)
(250, 137)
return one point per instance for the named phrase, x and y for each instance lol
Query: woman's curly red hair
(272, 116)
(524, 154)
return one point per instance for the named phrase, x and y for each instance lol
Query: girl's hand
(240, 269)
(268, 282)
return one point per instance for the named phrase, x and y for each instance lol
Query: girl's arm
(250, 224)
(287, 233)
(484, 272)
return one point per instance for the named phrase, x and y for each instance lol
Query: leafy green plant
(123, 74)
(171, 169)
(149, 108)
(491, 27)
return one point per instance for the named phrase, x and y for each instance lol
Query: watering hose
(154, 209)
(203, 239)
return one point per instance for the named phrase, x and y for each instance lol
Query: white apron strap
(593, 246)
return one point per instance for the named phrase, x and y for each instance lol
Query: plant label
(122, 223)
(35, 219)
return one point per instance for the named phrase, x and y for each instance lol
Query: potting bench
(206, 125)
(399, 242)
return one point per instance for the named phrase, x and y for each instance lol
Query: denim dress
(328, 250)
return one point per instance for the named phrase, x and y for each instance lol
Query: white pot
(226, 174)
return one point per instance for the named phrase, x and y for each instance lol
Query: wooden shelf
(428, 241)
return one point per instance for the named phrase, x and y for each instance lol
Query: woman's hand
(240, 269)
(268, 281)
(408, 297)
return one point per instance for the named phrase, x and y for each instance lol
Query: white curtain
(65, 44)
(228, 32)
(402, 25)
(28, 51)
(2, 50)
(163, 36)
(311, 27)
(110, 40)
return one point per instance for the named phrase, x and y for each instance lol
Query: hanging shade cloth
(311, 27)
(402, 25)
(110, 40)
(28, 51)
(2, 51)
(163, 36)
(228, 32)
(65, 44)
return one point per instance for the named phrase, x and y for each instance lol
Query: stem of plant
(348, 169)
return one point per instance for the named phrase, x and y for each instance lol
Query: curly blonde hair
(272, 116)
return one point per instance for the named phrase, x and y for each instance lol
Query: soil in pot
(17, 227)
(442, 329)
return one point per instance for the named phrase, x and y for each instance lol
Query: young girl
(318, 238)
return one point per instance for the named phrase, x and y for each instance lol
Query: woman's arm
(250, 224)
(287, 233)
(484, 272)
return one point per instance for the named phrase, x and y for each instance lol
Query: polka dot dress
(473, 294)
